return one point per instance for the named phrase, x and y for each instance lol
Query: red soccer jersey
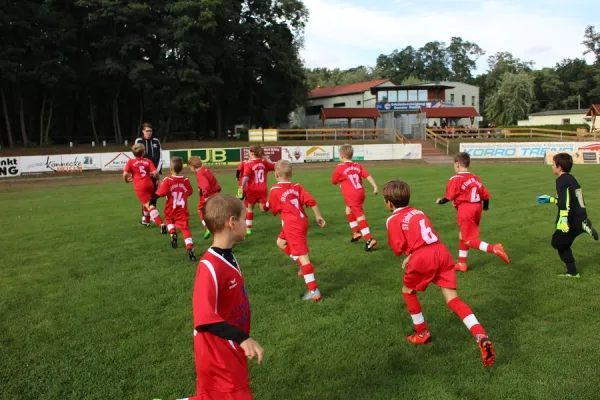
(256, 170)
(350, 175)
(408, 230)
(207, 183)
(177, 189)
(140, 169)
(289, 199)
(464, 187)
(220, 296)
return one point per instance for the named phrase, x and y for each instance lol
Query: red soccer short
(356, 205)
(241, 394)
(295, 236)
(256, 196)
(432, 263)
(144, 194)
(468, 217)
(180, 223)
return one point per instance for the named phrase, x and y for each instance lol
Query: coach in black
(154, 154)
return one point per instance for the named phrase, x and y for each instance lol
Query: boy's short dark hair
(564, 161)
(219, 208)
(396, 192)
(177, 164)
(257, 150)
(463, 159)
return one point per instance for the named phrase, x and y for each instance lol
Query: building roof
(594, 110)
(450, 112)
(416, 86)
(333, 113)
(341, 90)
(558, 112)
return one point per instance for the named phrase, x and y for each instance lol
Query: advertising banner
(317, 153)
(60, 163)
(9, 166)
(375, 152)
(115, 161)
(523, 149)
(272, 153)
(579, 157)
(293, 154)
(359, 152)
(210, 156)
(407, 151)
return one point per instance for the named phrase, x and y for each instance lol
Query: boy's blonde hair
(396, 192)
(177, 164)
(219, 208)
(138, 149)
(284, 169)
(346, 151)
(463, 159)
(195, 161)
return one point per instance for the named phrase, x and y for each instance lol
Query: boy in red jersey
(222, 343)
(349, 175)
(177, 188)
(207, 185)
(428, 261)
(289, 199)
(468, 193)
(140, 170)
(254, 183)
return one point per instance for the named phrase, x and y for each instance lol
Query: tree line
(84, 70)
(509, 90)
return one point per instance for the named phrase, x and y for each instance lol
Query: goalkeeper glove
(545, 199)
(563, 221)
(240, 194)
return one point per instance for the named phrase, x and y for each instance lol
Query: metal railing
(437, 140)
(336, 134)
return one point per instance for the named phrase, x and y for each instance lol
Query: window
(358, 102)
(382, 96)
(314, 110)
(402, 95)
(473, 101)
(339, 104)
(423, 95)
(452, 98)
(392, 96)
(566, 121)
(413, 95)
(464, 99)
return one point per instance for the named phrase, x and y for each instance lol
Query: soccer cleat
(206, 234)
(370, 245)
(314, 295)
(144, 223)
(587, 227)
(174, 240)
(300, 272)
(462, 267)
(163, 229)
(568, 275)
(499, 251)
(488, 354)
(191, 255)
(248, 231)
(356, 237)
(423, 338)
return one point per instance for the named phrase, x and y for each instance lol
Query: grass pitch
(94, 306)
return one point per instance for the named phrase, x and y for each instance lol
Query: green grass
(94, 306)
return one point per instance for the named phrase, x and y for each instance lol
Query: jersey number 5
(296, 204)
(142, 171)
(427, 234)
(178, 200)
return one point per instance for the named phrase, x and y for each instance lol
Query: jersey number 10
(260, 175)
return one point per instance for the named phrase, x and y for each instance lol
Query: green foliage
(512, 100)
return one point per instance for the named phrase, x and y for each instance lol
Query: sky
(348, 33)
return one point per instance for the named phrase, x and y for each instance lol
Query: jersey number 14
(178, 200)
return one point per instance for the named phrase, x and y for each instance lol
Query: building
(557, 117)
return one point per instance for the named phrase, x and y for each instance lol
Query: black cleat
(587, 227)
(144, 223)
(174, 240)
(370, 245)
(356, 237)
(191, 255)
(163, 229)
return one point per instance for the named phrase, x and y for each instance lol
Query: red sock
(464, 312)
(308, 270)
(249, 218)
(155, 215)
(481, 245)
(414, 309)
(288, 252)
(187, 237)
(352, 222)
(463, 251)
(363, 225)
(145, 215)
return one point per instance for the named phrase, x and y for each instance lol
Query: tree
(434, 56)
(463, 58)
(512, 100)
(399, 65)
(592, 42)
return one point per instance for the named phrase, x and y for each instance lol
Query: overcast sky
(348, 33)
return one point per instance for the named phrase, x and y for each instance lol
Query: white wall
(460, 89)
(536, 120)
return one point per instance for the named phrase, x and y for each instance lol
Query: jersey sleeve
(151, 166)
(274, 201)
(269, 166)
(452, 189)
(396, 238)
(163, 189)
(203, 184)
(485, 195)
(335, 178)
(363, 172)
(189, 187)
(205, 297)
(562, 192)
(127, 168)
(247, 170)
(306, 198)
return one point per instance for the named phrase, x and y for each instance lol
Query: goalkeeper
(572, 217)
